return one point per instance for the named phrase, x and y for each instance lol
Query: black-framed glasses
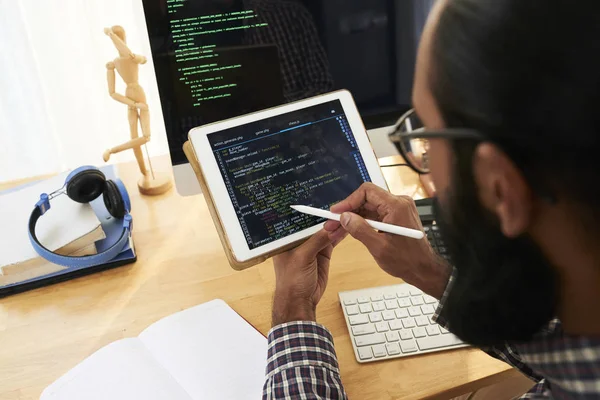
(412, 140)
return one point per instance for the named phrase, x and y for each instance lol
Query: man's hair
(526, 74)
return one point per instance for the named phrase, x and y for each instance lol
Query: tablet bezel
(218, 190)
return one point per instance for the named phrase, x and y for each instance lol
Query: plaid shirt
(302, 362)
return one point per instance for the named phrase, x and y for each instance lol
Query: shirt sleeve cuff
(437, 315)
(300, 343)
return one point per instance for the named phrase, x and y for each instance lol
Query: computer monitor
(217, 59)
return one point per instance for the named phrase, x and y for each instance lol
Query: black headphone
(84, 185)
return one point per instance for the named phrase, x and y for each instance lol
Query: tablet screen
(306, 157)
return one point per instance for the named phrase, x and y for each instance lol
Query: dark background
(370, 48)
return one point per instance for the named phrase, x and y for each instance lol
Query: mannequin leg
(133, 128)
(145, 123)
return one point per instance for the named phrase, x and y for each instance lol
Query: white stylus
(380, 226)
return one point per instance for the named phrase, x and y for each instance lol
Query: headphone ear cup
(113, 200)
(86, 186)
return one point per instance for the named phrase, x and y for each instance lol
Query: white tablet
(313, 152)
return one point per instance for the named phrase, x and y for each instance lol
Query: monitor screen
(306, 157)
(218, 59)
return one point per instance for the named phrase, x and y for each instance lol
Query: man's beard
(504, 289)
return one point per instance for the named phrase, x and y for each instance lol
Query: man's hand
(301, 278)
(108, 31)
(412, 260)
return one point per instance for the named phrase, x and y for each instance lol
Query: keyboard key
(426, 229)
(408, 322)
(377, 297)
(417, 300)
(442, 249)
(405, 302)
(429, 299)
(382, 327)
(393, 348)
(352, 310)
(388, 315)
(406, 334)
(379, 351)
(391, 304)
(362, 300)
(349, 302)
(365, 329)
(375, 317)
(408, 346)
(378, 306)
(435, 228)
(369, 340)
(402, 293)
(414, 291)
(365, 308)
(358, 319)
(395, 325)
(392, 336)
(401, 313)
(389, 296)
(435, 342)
(365, 353)
(433, 330)
(422, 320)
(427, 309)
(444, 330)
(414, 311)
(431, 319)
(419, 332)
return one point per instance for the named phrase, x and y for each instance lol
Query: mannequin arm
(120, 45)
(140, 59)
(110, 78)
(123, 48)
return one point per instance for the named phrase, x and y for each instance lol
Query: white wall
(55, 111)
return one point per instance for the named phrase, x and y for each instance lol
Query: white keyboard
(393, 321)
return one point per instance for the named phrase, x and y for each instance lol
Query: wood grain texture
(44, 333)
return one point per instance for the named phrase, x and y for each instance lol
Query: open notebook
(205, 352)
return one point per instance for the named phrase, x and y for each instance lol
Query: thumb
(356, 226)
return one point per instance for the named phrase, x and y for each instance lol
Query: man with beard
(508, 92)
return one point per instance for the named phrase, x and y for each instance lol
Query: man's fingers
(356, 226)
(331, 226)
(337, 236)
(368, 196)
(316, 243)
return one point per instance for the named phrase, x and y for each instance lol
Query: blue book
(112, 228)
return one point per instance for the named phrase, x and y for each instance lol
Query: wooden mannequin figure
(127, 65)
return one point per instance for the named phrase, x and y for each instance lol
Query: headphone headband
(83, 185)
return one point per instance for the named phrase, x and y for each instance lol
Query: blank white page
(211, 351)
(123, 370)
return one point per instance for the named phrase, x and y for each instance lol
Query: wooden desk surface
(44, 333)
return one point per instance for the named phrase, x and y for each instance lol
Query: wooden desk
(44, 333)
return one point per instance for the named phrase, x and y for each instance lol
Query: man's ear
(503, 189)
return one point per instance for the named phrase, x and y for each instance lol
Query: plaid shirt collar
(567, 367)
(569, 364)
